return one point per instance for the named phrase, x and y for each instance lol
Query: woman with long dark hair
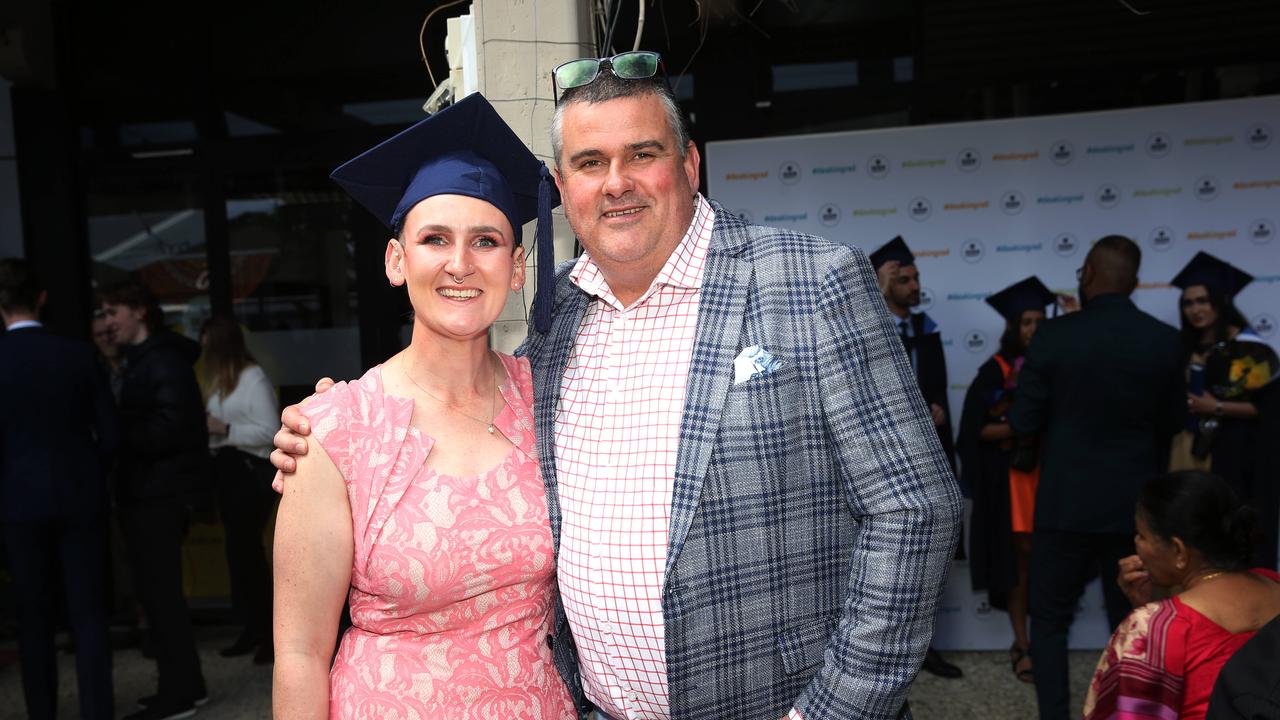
(1228, 366)
(1003, 497)
(242, 415)
(1195, 538)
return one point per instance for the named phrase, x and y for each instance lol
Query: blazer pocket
(802, 647)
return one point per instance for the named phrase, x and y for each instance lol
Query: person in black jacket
(164, 450)
(1105, 388)
(57, 430)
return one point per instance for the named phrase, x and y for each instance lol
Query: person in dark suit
(1104, 387)
(57, 431)
(1248, 688)
(899, 280)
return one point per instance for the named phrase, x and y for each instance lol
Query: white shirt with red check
(617, 430)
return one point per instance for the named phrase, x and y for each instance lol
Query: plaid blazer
(814, 515)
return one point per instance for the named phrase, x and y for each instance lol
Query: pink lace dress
(452, 579)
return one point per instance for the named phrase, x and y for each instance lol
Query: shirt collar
(22, 324)
(683, 269)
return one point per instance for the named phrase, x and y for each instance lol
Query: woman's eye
(433, 240)
(486, 241)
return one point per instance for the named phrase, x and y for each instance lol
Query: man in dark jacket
(164, 451)
(1104, 389)
(57, 428)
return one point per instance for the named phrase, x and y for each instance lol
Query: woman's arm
(313, 551)
(995, 432)
(1207, 405)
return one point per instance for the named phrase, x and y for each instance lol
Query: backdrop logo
(1207, 188)
(745, 216)
(975, 341)
(1264, 325)
(926, 299)
(920, 209)
(789, 173)
(1258, 136)
(1012, 203)
(878, 166)
(971, 251)
(829, 215)
(1161, 238)
(1062, 152)
(982, 608)
(1261, 231)
(1065, 245)
(1158, 144)
(1108, 196)
(969, 160)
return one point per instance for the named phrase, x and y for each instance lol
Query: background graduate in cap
(900, 284)
(1003, 497)
(1229, 390)
(422, 499)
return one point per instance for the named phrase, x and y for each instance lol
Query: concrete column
(518, 42)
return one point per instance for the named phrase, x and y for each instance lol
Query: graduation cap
(1024, 295)
(895, 249)
(465, 149)
(1216, 275)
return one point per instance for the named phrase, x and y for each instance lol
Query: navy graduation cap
(895, 249)
(465, 149)
(1217, 275)
(1026, 294)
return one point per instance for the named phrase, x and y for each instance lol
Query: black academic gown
(931, 373)
(993, 566)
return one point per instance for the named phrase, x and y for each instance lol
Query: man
(109, 355)
(753, 516)
(164, 450)
(899, 281)
(57, 429)
(1248, 688)
(1103, 387)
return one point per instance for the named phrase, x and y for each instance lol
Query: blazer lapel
(720, 316)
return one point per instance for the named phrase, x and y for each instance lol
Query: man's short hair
(133, 294)
(19, 287)
(1116, 259)
(608, 86)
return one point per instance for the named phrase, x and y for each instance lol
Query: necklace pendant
(492, 430)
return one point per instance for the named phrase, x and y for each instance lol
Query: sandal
(1016, 656)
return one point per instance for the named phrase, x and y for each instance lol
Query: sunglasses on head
(635, 65)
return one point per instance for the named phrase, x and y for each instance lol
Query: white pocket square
(754, 361)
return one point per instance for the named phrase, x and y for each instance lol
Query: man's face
(628, 194)
(904, 287)
(126, 324)
(102, 338)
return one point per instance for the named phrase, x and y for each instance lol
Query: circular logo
(982, 608)
(745, 216)
(1261, 231)
(1011, 203)
(1258, 136)
(1108, 196)
(1159, 144)
(969, 159)
(971, 251)
(878, 166)
(829, 215)
(920, 209)
(789, 173)
(926, 298)
(975, 341)
(1161, 238)
(1264, 325)
(1065, 245)
(1207, 188)
(1062, 152)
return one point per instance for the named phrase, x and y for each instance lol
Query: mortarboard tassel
(546, 255)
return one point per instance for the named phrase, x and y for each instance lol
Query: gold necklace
(1210, 576)
(493, 402)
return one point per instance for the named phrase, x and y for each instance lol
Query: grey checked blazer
(814, 515)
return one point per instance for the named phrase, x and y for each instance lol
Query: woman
(241, 414)
(422, 500)
(1195, 537)
(1228, 366)
(1003, 497)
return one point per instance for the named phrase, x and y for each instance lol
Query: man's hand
(1134, 581)
(291, 439)
(885, 275)
(939, 415)
(1202, 404)
(1068, 303)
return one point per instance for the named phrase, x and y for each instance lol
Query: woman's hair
(1228, 316)
(1203, 510)
(1011, 341)
(225, 355)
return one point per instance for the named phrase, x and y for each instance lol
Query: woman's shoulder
(520, 373)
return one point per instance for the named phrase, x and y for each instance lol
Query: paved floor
(239, 689)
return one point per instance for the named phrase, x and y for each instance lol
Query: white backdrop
(985, 204)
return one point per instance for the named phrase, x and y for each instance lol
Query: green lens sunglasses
(634, 65)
